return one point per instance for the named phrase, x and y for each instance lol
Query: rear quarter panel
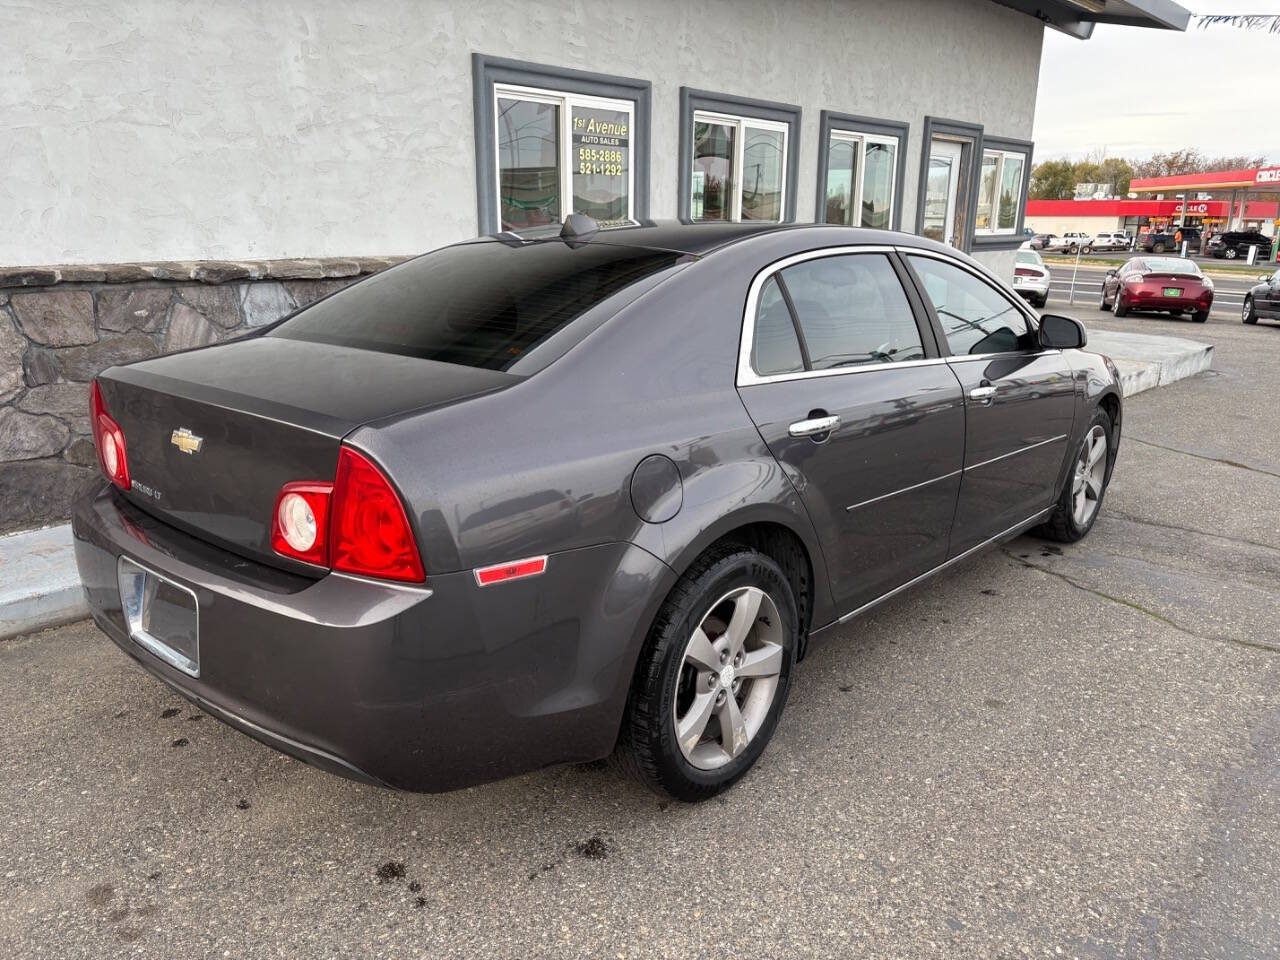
(545, 466)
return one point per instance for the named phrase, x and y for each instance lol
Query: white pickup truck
(1071, 242)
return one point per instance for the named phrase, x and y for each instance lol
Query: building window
(860, 170)
(561, 153)
(552, 141)
(738, 158)
(739, 168)
(1000, 191)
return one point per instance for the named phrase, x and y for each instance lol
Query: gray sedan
(536, 499)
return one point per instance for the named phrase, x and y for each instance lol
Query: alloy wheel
(1090, 471)
(728, 678)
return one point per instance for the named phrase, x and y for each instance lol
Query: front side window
(850, 310)
(861, 169)
(562, 153)
(739, 168)
(999, 191)
(975, 317)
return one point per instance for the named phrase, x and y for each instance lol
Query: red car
(1170, 284)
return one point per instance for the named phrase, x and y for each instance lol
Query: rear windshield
(1027, 256)
(477, 304)
(1170, 265)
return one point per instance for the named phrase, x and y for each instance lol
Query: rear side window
(479, 304)
(975, 317)
(775, 346)
(851, 310)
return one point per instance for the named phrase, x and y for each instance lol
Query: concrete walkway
(39, 586)
(1147, 361)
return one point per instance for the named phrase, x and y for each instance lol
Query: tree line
(1057, 179)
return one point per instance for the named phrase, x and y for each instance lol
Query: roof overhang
(1076, 18)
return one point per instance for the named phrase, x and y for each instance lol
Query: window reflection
(877, 185)
(762, 165)
(528, 163)
(842, 160)
(712, 171)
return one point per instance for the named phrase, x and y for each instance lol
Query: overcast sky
(1209, 90)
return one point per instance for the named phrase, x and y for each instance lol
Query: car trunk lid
(212, 435)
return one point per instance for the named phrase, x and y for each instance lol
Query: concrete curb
(40, 587)
(39, 583)
(1146, 361)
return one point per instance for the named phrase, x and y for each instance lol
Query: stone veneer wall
(60, 326)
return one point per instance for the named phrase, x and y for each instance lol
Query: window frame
(1002, 156)
(703, 106)
(566, 102)
(869, 130)
(977, 142)
(944, 346)
(746, 373)
(489, 73)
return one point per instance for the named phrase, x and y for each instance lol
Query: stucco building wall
(236, 129)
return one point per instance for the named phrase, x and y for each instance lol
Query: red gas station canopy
(1259, 177)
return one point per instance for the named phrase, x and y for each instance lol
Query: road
(1228, 296)
(1050, 751)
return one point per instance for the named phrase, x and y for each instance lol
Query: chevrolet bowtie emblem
(186, 441)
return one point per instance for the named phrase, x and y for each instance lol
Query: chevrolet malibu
(1171, 285)
(538, 499)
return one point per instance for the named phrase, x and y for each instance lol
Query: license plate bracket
(1173, 291)
(163, 617)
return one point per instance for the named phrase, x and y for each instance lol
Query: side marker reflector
(515, 570)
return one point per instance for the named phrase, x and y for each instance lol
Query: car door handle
(983, 393)
(811, 428)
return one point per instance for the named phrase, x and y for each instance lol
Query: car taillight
(369, 530)
(108, 439)
(357, 524)
(1025, 272)
(300, 523)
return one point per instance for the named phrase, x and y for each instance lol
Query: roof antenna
(578, 226)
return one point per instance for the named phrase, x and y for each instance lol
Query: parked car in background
(1263, 301)
(607, 486)
(1031, 277)
(1071, 242)
(1173, 285)
(1110, 241)
(1168, 240)
(1235, 244)
(1042, 241)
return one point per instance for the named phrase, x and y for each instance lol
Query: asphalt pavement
(1050, 751)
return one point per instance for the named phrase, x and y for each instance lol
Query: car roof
(701, 238)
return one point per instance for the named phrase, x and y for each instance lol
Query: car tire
(670, 684)
(1249, 312)
(1102, 301)
(1200, 316)
(1158, 248)
(1072, 248)
(1229, 253)
(1072, 519)
(1040, 302)
(1118, 306)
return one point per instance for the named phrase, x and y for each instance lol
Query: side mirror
(1112, 272)
(1062, 333)
(1264, 277)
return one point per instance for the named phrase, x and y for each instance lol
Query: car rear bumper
(415, 688)
(1032, 288)
(1158, 301)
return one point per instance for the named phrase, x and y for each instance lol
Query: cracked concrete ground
(1050, 751)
